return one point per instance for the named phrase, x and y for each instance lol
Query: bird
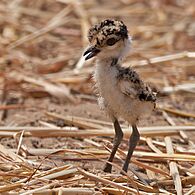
(121, 91)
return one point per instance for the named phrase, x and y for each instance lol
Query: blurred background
(42, 43)
(44, 81)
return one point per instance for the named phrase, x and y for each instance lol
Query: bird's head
(108, 39)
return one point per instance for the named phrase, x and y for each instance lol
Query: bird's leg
(133, 140)
(117, 140)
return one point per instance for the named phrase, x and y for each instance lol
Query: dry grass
(42, 72)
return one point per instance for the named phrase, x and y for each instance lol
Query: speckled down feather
(121, 91)
(100, 32)
(144, 93)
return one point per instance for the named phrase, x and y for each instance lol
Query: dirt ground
(35, 114)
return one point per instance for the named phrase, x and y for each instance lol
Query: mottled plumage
(121, 91)
(143, 91)
(99, 33)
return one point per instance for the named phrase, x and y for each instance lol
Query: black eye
(111, 41)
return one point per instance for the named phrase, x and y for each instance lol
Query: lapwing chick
(121, 91)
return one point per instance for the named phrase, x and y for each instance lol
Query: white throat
(126, 49)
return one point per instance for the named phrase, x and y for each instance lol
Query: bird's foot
(123, 172)
(108, 168)
(125, 169)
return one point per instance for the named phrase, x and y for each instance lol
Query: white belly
(114, 101)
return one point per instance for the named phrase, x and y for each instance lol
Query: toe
(108, 168)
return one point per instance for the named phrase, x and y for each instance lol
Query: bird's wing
(131, 85)
(128, 88)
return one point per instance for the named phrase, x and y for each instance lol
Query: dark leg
(117, 140)
(132, 144)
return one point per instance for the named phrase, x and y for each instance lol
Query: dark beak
(91, 51)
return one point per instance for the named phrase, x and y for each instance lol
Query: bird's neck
(108, 62)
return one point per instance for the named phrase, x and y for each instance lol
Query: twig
(64, 132)
(188, 87)
(138, 154)
(177, 112)
(59, 91)
(152, 146)
(105, 181)
(52, 24)
(37, 190)
(10, 187)
(20, 142)
(11, 106)
(165, 58)
(173, 167)
(74, 121)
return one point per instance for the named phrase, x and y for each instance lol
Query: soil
(36, 109)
